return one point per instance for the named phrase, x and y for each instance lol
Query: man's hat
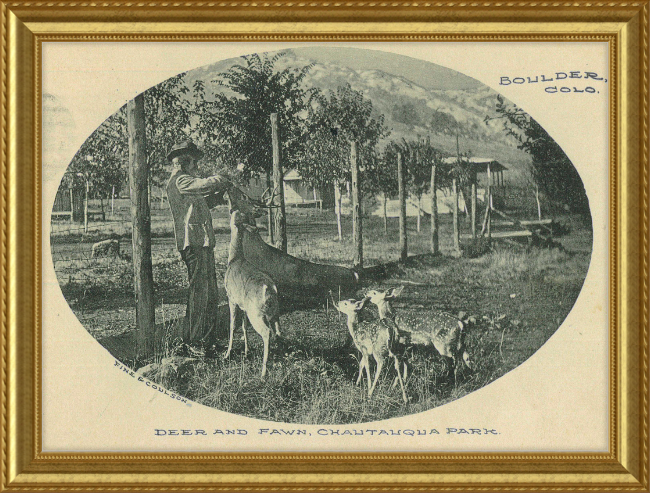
(185, 147)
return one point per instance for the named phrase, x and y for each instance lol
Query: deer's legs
(401, 382)
(262, 328)
(266, 354)
(234, 310)
(363, 364)
(243, 328)
(366, 365)
(380, 365)
(405, 372)
(361, 367)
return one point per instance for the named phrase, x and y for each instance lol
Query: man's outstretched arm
(200, 186)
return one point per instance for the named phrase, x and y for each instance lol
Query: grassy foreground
(519, 300)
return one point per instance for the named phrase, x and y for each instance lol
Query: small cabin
(493, 175)
(297, 193)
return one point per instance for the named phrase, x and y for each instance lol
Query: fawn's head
(382, 299)
(350, 307)
(376, 297)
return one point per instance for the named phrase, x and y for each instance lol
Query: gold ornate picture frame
(26, 25)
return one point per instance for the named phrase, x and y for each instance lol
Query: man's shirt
(192, 219)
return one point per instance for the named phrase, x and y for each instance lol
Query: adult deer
(250, 291)
(441, 330)
(295, 277)
(374, 338)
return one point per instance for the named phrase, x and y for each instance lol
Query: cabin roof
(292, 175)
(480, 164)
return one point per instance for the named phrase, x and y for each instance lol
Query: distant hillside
(415, 97)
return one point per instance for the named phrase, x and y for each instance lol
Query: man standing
(195, 240)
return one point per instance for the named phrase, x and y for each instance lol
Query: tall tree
(418, 154)
(552, 170)
(381, 177)
(337, 120)
(167, 118)
(102, 157)
(235, 126)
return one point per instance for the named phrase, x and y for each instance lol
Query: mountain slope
(443, 104)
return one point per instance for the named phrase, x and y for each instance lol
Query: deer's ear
(359, 304)
(397, 291)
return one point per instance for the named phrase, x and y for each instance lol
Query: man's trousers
(203, 300)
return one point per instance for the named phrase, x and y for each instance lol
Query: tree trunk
(86, 206)
(141, 220)
(419, 212)
(489, 203)
(269, 211)
(454, 191)
(385, 215)
(357, 222)
(337, 205)
(113, 202)
(278, 183)
(402, 208)
(474, 206)
(71, 205)
(435, 249)
(539, 206)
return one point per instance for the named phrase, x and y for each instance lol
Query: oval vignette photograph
(319, 235)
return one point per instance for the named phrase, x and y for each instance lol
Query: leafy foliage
(103, 157)
(551, 168)
(99, 160)
(335, 121)
(418, 156)
(167, 117)
(236, 128)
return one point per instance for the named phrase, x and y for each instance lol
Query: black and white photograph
(321, 235)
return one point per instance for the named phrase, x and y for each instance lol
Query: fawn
(371, 338)
(249, 290)
(441, 330)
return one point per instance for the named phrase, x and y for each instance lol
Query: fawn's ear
(395, 292)
(359, 304)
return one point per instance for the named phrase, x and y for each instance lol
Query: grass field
(519, 297)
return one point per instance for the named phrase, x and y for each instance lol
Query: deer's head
(349, 307)
(249, 209)
(376, 297)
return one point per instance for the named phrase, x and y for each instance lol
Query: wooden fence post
(473, 205)
(269, 212)
(141, 220)
(488, 201)
(71, 205)
(278, 183)
(337, 208)
(454, 192)
(86, 205)
(435, 249)
(402, 208)
(357, 224)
